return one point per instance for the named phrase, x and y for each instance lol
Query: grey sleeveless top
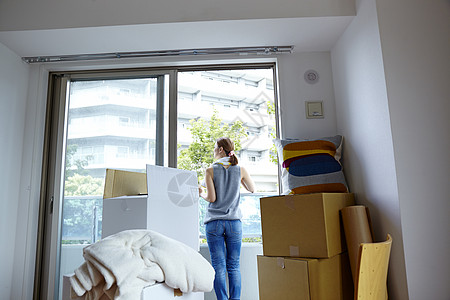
(227, 184)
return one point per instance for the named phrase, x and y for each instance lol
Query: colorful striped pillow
(311, 166)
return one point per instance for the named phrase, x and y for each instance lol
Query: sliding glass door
(127, 119)
(115, 121)
(240, 104)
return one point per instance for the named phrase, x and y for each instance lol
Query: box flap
(124, 183)
(303, 225)
(330, 278)
(335, 234)
(282, 278)
(295, 221)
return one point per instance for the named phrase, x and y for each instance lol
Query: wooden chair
(373, 262)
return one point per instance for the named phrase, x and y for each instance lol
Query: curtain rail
(185, 52)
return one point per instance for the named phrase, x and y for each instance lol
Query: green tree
(77, 180)
(83, 185)
(75, 166)
(78, 212)
(199, 155)
(273, 150)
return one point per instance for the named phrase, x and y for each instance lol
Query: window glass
(238, 104)
(113, 123)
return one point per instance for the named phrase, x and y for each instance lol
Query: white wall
(363, 118)
(391, 72)
(13, 87)
(294, 91)
(416, 47)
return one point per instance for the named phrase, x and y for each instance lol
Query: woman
(223, 217)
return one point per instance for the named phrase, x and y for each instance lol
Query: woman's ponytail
(233, 158)
(228, 147)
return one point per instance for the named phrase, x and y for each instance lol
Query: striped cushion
(311, 166)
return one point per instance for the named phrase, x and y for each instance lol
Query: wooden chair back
(373, 262)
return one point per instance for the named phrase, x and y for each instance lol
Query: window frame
(50, 203)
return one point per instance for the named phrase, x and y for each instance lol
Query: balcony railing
(82, 218)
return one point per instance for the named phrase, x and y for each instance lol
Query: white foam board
(173, 204)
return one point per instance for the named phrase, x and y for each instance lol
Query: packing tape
(177, 293)
(293, 251)
(280, 262)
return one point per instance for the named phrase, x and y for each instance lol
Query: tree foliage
(199, 155)
(83, 185)
(75, 166)
(78, 218)
(78, 213)
(77, 180)
(273, 150)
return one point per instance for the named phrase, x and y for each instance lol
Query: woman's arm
(210, 195)
(247, 181)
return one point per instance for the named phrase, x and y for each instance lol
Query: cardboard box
(124, 183)
(124, 213)
(290, 278)
(170, 208)
(304, 225)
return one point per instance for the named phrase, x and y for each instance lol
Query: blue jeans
(224, 239)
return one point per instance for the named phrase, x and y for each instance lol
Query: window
(123, 91)
(123, 120)
(217, 101)
(122, 152)
(230, 99)
(186, 96)
(99, 135)
(251, 83)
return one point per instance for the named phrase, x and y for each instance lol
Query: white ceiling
(305, 34)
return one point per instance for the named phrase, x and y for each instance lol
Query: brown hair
(227, 146)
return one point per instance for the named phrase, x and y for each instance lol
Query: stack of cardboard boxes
(304, 248)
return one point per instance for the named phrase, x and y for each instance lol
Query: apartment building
(112, 123)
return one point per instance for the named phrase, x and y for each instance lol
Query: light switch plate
(314, 109)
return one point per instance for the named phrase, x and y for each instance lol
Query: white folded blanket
(121, 265)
